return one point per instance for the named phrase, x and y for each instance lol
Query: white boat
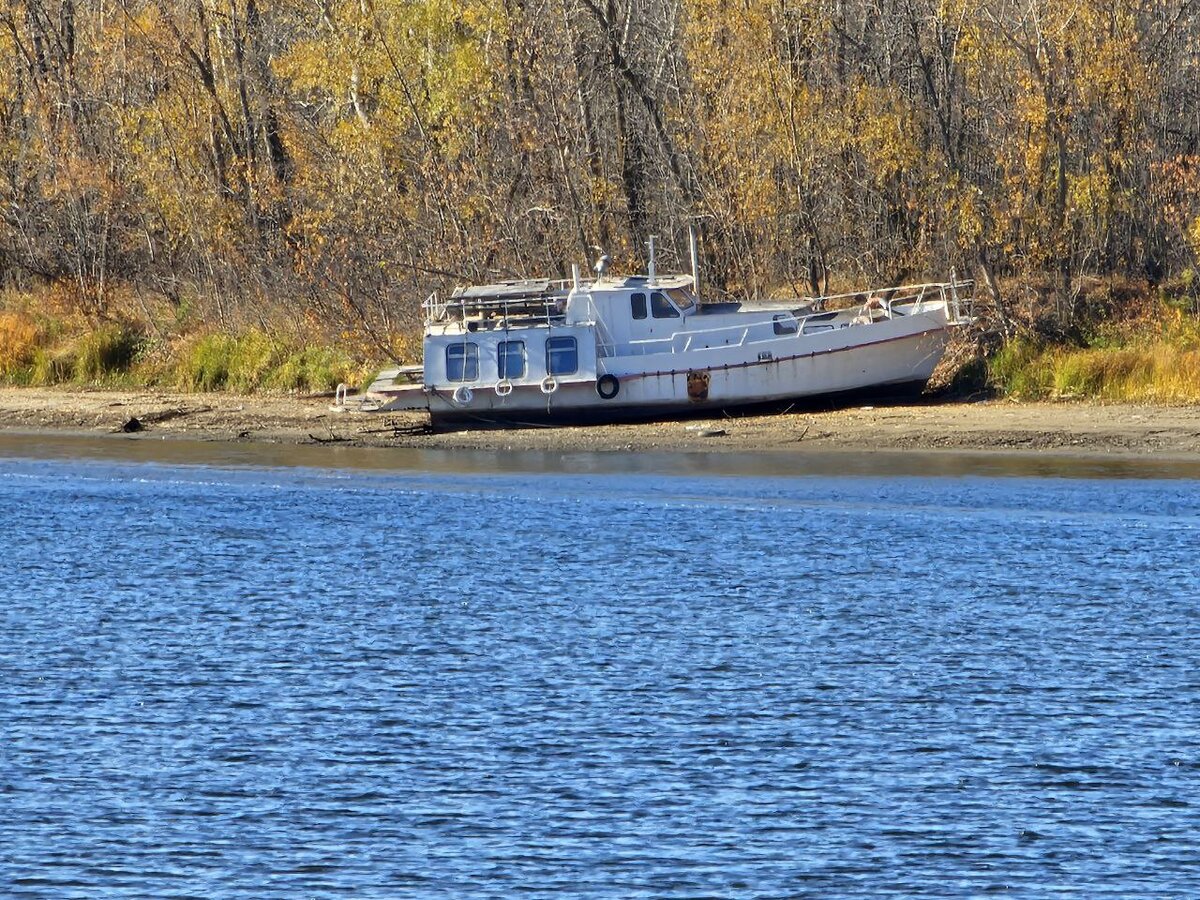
(641, 347)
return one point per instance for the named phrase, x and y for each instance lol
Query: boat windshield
(682, 298)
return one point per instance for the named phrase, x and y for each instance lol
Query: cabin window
(785, 324)
(562, 356)
(661, 306)
(462, 362)
(682, 298)
(510, 359)
(638, 302)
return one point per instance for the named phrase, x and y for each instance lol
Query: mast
(695, 259)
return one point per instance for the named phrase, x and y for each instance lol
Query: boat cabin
(508, 334)
(632, 310)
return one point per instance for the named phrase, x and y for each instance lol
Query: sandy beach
(1073, 428)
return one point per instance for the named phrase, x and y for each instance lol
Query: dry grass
(1154, 359)
(43, 345)
(19, 341)
(255, 360)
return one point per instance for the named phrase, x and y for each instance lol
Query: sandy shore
(998, 425)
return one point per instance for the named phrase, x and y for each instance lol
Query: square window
(661, 306)
(785, 324)
(510, 359)
(462, 362)
(562, 356)
(638, 303)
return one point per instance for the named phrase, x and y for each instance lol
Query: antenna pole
(650, 269)
(695, 258)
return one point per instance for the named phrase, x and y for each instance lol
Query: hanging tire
(549, 384)
(463, 395)
(607, 386)
(504, 387)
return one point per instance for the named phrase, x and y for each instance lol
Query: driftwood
(332, 439)
(797, 440)
(135, 424)
(400, 430)
(157, 418)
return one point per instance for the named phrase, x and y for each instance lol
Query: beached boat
(638, 347)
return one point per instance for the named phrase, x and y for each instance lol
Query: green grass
(316, 369)
(108, 352)
(205, 365)
(45, 353)
(1155, 361)
(43, 356)
(255, 361)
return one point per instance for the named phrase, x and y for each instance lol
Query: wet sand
(1075, 428)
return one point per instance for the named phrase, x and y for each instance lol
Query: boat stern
(400, 389)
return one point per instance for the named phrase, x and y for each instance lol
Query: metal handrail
(907, 289)
(437, 309)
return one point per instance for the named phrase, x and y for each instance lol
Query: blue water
(293, 682)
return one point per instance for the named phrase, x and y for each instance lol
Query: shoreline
(1075, 428)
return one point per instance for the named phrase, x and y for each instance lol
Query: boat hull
(886, 359)
(601, 415)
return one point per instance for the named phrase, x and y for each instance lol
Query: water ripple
(280, 683)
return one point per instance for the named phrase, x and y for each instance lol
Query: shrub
(314, 369)
(204, 365)
(53, 366)
(252, 358)
(1019, 368)
(107, 351)
(19, 340)
(1157, 370)
(409, 346)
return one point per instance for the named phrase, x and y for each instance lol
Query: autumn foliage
(330, 162)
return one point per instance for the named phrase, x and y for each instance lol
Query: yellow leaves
(1114, 78)
(1193, 236)
(448, 19)
(308, 65)
(144, 25)
(882, 131)
(1094, 195)
(964, 212)
(399, 67)
(757, 111)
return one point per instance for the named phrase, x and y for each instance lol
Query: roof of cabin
(633, 282)
(510, 290)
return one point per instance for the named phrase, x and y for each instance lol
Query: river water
(226, 673)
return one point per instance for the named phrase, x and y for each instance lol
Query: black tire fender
(607, 386)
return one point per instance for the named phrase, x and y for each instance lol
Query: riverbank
(1075, 428)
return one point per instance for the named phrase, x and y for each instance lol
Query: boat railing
(962, 309)
(947, 291)
(542, 299)
(920, 296)
(434, 308)
(651, 346)
(605, 345)
(492, 313)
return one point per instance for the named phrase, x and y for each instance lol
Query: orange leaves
(1177, 192)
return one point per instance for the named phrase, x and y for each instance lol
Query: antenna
(650, 268)
(695, 259)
